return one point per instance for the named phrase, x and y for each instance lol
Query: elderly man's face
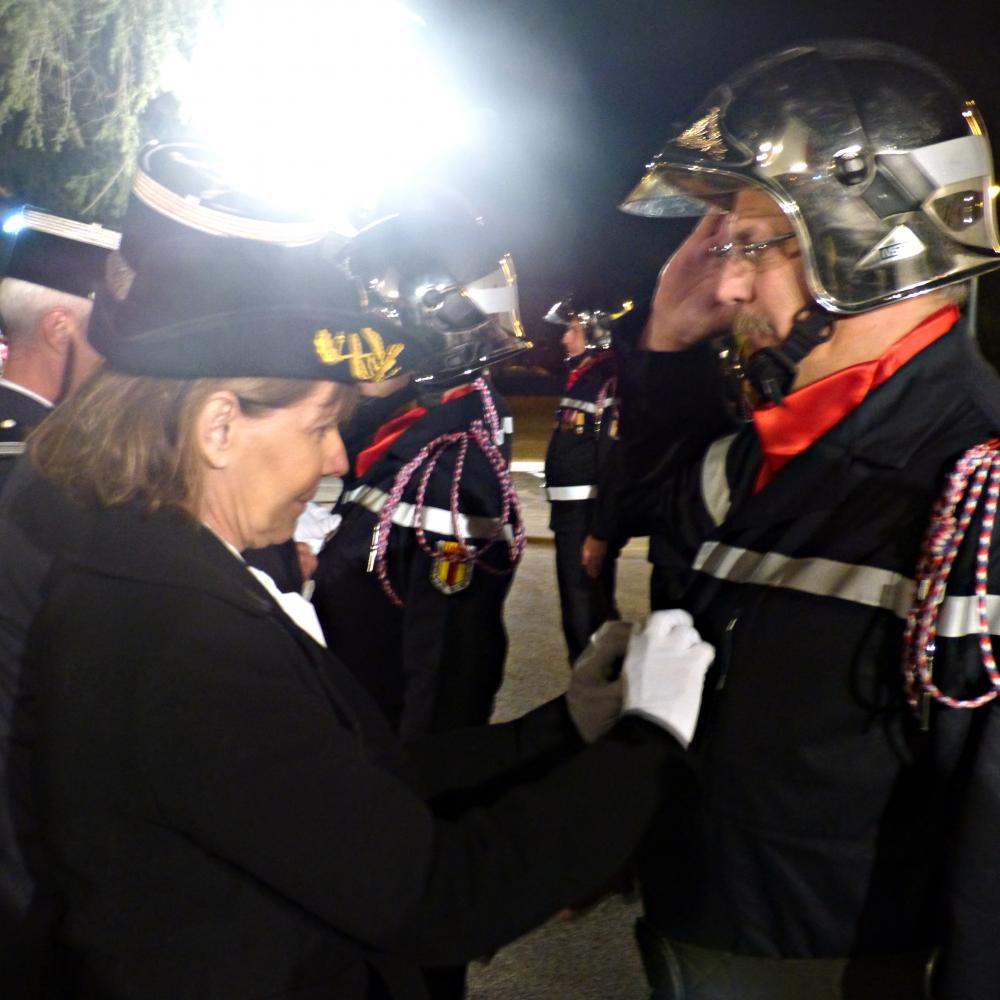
(768, 288)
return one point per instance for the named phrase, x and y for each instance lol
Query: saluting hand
(685, 308)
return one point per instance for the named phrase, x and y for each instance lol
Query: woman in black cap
(225, 812)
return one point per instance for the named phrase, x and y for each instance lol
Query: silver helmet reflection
(880, 161)
(597, 323)
(437, 273)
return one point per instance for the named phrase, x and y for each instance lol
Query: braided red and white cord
(485, 437)
(607, 392)
(976, 473)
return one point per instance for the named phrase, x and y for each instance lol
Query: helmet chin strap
(771, 370)
(67, 373)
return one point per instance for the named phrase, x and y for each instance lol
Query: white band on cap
(192, 213)
(82, 232)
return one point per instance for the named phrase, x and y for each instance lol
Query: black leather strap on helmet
(771, 370)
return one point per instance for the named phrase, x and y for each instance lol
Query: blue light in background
(14, 223)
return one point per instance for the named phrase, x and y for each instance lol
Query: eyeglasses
(749, 253)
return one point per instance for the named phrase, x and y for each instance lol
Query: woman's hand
(594, 695)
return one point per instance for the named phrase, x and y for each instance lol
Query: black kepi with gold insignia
(210, 281)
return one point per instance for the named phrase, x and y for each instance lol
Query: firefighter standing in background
(580, 480)
(410, 589)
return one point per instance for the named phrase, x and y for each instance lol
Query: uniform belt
(571, 492)
(433, 519)
(678, 971)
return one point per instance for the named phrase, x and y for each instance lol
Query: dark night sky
(577, 96)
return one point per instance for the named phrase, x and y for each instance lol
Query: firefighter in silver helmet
(580, 472)
(847, 195)
(410, 589)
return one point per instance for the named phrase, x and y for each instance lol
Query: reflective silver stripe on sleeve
(868, 585)
(11, 449)
(571, 492)
(329, 489)
(960, 616)
(434, 519)
(714, 482)
(577, 404)
(566, 403)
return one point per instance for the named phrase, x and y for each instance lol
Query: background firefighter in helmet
(410, 588)
(850, 797)
(580, 477)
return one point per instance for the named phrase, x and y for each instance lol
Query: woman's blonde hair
(131, 438)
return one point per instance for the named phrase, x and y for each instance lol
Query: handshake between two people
(657, 672)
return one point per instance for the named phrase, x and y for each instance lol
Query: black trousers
(584, 604)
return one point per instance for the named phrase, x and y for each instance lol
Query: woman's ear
(217, 428)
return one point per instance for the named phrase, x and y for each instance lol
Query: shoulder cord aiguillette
(976, 473)
(606, 400)
(485, 437)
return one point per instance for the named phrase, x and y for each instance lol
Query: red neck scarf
(592, 360)
(808, 413)
(396, 427)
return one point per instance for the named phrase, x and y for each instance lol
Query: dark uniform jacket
(436, 663)
(229, 816)
(36, 525)
(19, 414)
(581, 448)
(830, 824)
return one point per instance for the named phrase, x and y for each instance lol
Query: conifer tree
(76, 77)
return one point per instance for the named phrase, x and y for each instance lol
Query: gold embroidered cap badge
(369, 358)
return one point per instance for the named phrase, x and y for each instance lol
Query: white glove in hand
(665, 672)
(594, 695)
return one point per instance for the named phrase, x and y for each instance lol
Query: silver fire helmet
(879, 160)
(597, 323)
(437, 273)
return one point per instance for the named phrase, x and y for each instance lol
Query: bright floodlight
(321, 105)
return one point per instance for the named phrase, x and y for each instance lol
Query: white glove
(665, 672)
(594, 695)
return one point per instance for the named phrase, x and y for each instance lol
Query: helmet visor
(495, 295)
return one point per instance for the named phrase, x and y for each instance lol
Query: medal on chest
(447, 574)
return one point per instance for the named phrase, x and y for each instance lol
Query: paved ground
(594, 957)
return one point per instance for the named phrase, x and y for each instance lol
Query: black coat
(436, 663)
(36, 525)
(229, 816)
(830, 824)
